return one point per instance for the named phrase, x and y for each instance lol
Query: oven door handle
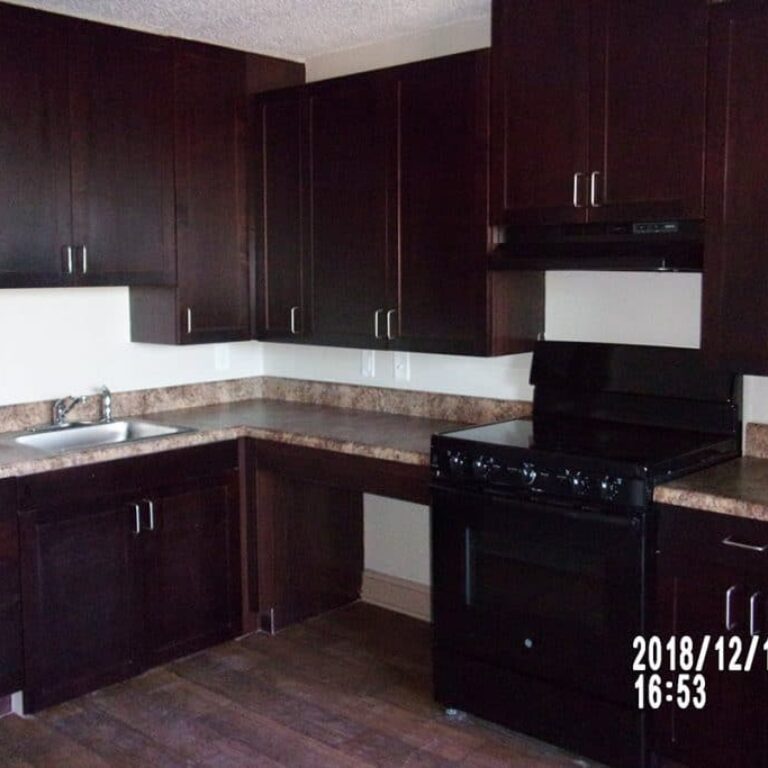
(630, 520)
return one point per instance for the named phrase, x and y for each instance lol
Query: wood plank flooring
(350, 688)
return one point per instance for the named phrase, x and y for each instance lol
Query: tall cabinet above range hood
(598, 135)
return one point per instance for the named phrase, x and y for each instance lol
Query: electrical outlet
(402, 366)
(368, 364)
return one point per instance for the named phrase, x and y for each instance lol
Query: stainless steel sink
(77, 436)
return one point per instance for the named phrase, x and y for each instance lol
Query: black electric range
(543, 532)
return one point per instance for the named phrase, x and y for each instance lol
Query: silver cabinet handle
(151, 509)
(753, 600)
(68, 252)
(189, 320)
(593, 189)
(376, 320)
(390, 314)
(729, 542)
(294, 324)
(84, 258)
(137, 519)
(577, 177)
(730, 624)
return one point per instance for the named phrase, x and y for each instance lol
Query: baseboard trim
(396, 594)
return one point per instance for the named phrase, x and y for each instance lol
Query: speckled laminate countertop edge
(84, 457)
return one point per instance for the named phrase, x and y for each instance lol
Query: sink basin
(78, 436)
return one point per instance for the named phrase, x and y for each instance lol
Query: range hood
(651, 246)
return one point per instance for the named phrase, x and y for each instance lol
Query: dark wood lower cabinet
(191, 568)
(125, 565)
(708, 585)
(11, 661)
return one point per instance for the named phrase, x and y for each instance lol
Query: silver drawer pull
(753, 601)
(390, 315)
(729, 542)
(577, 177)
(84, 257)
(730, 624)
(151, 510)
(137, 519)
(376, 322)
(593, 189)
(189, 320)
(294, 323)
(68, 251)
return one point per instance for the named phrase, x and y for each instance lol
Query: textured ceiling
(297, 29)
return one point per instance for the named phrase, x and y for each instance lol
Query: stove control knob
(481, 468)
(610, 487)
(457, 463)
(579, 483)
(529, 474)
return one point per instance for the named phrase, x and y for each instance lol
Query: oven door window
(551, 591)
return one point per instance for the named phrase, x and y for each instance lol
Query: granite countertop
(738, 487)
(385, 436)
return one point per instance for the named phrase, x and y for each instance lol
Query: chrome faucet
(63, 406)
(106, 404)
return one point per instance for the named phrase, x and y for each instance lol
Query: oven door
(549, 591)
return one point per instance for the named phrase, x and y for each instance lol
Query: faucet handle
(106, 403)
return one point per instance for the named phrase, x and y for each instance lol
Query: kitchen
(92, 326)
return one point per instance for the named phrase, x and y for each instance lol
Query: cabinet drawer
(715, 538)
(126, 476)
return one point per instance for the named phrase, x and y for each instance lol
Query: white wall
(61, 341)
(633, 308)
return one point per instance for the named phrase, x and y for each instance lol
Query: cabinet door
(443, 178)
(350, 172)
(35, 215)
(213, 268)
(80, 598)
(279, 220)
(735, 314)
(648, 88)
(122, 156)
(191, 567)
(11, 661)
(540, 111)
(691, 600)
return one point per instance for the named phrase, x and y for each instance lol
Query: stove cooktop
(592, 459)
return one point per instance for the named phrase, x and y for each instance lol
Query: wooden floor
(351, 688)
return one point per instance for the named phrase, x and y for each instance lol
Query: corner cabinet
(211, 300)
(712, 580)
(599, 110)
(126, 565)
(735, 282)
(377, 235)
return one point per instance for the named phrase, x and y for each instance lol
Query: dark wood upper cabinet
(599, 110)
(11, 657)
(122, 156)
(735, 311)
(540, 111)
(211, 301)
(350, 224)
(36, 213)
(279, 215)
(371, 215)
(648, 90)
(444, 299)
